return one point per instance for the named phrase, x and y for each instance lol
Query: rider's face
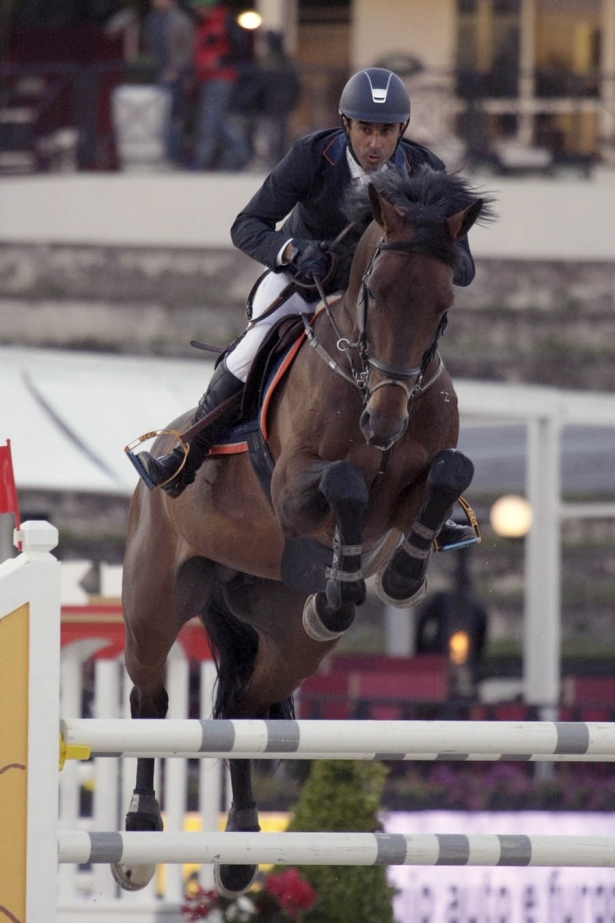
(373, 143)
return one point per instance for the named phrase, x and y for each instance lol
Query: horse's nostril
(381, 432)
(365, 424)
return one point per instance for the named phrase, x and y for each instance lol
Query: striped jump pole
(366, 740)
(339, 849)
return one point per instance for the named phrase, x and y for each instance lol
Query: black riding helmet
(375, 95)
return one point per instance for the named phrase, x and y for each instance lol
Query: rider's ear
(388, 216)
(460, 224)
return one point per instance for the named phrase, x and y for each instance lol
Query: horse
(365, 473)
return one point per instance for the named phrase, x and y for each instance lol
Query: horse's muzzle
(382, 430)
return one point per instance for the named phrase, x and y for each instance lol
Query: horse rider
(308, 186)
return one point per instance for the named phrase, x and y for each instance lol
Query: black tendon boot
(222, 386)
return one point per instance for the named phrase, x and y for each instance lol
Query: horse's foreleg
(327, 615)
(403, 583)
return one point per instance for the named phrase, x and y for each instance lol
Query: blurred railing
(59, 117)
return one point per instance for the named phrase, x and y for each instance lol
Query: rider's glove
(309, 260)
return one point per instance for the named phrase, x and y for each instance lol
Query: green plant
(344, 795)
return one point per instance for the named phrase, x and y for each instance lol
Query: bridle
(359, 373)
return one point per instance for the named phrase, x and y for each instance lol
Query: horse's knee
(450, 473)
(343, 486)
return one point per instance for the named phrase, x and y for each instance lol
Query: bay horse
(366, 471)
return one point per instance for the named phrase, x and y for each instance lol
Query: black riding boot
(455, 535)
(160, 470)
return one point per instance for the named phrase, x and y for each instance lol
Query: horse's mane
(431, 195)
(428, 196)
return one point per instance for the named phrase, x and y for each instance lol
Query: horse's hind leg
(403, 583)
(232, 880)
(144, 812)
(154, 611)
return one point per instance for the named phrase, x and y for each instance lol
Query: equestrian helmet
(375, 95)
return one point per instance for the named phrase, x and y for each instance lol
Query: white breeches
(239, 360)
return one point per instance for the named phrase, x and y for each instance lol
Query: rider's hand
(309, 260)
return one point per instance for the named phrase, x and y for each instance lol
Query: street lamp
(250, 19)
(511, 516)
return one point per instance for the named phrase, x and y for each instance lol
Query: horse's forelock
(427, 196)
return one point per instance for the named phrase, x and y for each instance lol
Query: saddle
(269, 366)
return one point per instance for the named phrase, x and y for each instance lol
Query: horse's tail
(233, 646)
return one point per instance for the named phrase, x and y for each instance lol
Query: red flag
(8, 491)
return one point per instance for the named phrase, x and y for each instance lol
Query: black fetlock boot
(164, 471)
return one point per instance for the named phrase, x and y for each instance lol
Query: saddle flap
(278, 341)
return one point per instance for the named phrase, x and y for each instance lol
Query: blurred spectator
(281, 89)
(221, 51)
(169, 37)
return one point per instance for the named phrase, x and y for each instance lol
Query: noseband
(360, 376)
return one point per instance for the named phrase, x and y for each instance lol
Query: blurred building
(521, 85)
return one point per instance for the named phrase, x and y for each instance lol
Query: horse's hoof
(232, 880)
(144, 814)
(133, 878)
(400, 603)
(313, 623)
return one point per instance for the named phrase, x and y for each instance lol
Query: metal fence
(60, 117)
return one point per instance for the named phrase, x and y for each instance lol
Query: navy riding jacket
(308, 186)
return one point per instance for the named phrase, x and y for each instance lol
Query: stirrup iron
(476, 539)
(136, 462)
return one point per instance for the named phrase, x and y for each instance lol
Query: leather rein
(359, 375)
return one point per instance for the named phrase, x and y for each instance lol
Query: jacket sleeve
(254, 229)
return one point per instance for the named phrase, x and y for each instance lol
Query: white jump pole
(386, 740)
(106, 787)
(210, 773)
(175, 787)
(340, 849)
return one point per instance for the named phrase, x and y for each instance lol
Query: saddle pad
(235, 440)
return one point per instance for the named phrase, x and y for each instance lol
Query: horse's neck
(339, 320)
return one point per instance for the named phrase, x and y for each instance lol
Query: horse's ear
(388, 216)
(460, 224)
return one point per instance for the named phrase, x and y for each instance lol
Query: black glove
(309, 260)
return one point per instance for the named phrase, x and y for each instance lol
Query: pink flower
(291, 891)
(201, 903)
